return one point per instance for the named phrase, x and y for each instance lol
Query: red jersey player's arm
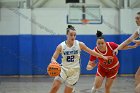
(91, 63)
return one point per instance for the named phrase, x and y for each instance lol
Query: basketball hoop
(85, 21)
(82, 13)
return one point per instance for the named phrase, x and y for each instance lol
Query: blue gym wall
(30, 54)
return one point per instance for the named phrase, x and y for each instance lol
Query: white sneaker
(93, 90)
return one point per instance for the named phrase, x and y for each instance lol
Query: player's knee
(55, 87)
(137, 89)
(97, 86)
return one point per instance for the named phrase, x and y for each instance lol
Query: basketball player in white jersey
(70, 69)
(132, 38)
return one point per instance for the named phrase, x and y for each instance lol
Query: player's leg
(58, 81)
(71, 81)
(137, 81)
(137, 89)
(98, 79)
(73, 90)
(55, 87)
(137, 76)
(68, 89)
(108, 85)
(111, 75)
(97, 84)
(100, 74)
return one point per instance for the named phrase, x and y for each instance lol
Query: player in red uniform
(108, 69)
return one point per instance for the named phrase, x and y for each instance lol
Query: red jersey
(113, 62)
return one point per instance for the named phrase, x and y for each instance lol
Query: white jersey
(71, 55)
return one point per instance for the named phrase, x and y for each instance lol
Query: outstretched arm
(127, 41)
(137, 42)
(125, 48)
(91, 52)
(129, 47)
(124, 44)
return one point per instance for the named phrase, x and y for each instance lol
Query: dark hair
(99, 35)
(138, 13)
(70, 27)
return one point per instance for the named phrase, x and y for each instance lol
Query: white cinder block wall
(52, 20)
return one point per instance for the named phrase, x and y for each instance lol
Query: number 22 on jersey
(70, 58)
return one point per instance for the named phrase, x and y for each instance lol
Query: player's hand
(115, 52)
(136, 41)
(134, 46)
(90, 66)
(54, 62)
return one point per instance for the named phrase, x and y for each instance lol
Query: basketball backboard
(79, 11)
